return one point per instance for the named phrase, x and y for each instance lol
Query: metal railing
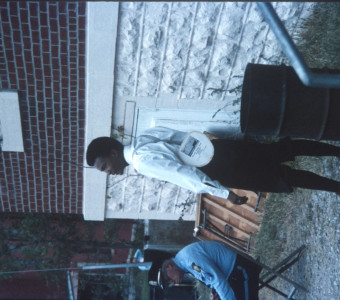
(307, 77)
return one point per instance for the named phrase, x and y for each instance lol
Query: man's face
(113, 164)
(174, 273)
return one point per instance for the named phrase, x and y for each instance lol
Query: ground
(304, 217)
(309, 218)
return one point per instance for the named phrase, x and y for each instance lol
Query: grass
(318, 37)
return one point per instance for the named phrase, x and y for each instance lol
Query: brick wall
(42, 55)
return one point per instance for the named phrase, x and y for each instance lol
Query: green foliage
(48, 241)
(32, 241)
(103, 285)
(318, 36)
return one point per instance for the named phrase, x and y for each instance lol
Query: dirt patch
(309, 218)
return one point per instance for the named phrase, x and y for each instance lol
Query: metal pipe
(116, 266)
(89, 267)
(304, 73)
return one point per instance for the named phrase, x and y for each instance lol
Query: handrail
(307, 77)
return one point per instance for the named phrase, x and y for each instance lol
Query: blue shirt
(155, 154)
(211, 263)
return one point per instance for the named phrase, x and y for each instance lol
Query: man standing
(238, 164)
(216, 266)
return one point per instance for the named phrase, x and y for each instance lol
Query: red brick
(55, 63)
(55, 73)
(56, 84)
(81, 59)
(45, 46)
(54, 25)
(37, 64)
(48, 92)
(81, 94)
(72, 34)
(36, 50)
(13, 8)
(29, 67)
(82, 22)
(81, 8)
(65, 71)
(43, 6)
(62, 6)
(12, 77)
(4, 15)
(14, 22)
(64, 59)
(21, 73)
(63, 34)
(62, 20)
(22, 84)
(58, 136)
(46, 58)
(54, 38)
(33, 9)
(81, 48)
(43, 19)
(82, 72)
(72, 14)
(31, 85)
(49, 113)
(64, 93)
(26, 33)
(23, 5)
(73, 40)
(16, 35)
(35, 34)
(23, 14)
(7, 31)
(39, 83)
(34, 22)
(19, 61)
(45, 33)
(10, 57)
(52, 11)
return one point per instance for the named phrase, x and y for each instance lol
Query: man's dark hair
(101, 147)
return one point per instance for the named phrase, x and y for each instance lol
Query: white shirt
(155, 154)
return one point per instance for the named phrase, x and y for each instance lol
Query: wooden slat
(198, 211)
(240, 210)
(204, 235)
(236, 232)
(219, 212)
(221, 209)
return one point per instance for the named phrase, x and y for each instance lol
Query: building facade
(79, 70)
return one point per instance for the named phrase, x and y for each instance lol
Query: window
(10, 122)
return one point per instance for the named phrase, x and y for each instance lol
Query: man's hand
(233, 198)
(214, 295)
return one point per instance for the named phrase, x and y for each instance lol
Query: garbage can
(276, 103)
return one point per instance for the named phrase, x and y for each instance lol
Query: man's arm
(217, 280)
(170, 169)
(166, 134)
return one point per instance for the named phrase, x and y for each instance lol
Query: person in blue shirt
(214, 265)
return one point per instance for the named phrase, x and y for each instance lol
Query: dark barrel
(276, 103)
